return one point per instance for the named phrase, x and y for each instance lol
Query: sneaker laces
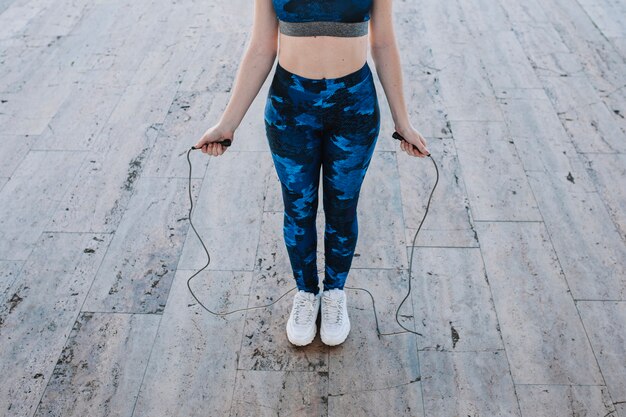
(332, 313)
(304, 307)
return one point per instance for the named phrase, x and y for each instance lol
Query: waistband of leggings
(352, 78)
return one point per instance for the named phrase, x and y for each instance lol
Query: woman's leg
(353, 125)
(292, 129)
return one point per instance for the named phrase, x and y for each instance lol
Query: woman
(322, 112)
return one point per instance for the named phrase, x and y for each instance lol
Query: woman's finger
(411, 149)
(404, 144)
(416, 151)
(423, 142)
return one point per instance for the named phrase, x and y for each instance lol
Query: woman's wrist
(403, 127)
(226, 127)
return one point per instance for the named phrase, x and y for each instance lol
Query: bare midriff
(320, 57)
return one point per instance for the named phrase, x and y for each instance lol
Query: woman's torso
(322, 56)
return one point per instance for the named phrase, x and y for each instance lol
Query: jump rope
(227, 142)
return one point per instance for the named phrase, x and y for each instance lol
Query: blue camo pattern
(323, 10)
(332, 124)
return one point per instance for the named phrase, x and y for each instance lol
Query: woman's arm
(386, 57)
(254, 68)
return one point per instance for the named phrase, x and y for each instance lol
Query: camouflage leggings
(331, 123)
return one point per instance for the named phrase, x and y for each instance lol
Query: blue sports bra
(345, 18)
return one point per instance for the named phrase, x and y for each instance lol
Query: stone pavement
(519, 272)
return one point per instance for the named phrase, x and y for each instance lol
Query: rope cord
(227, 142)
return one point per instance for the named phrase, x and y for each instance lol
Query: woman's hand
(214, 134)
(413, 137)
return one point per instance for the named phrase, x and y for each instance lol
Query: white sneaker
(335, 322)
(301, 327)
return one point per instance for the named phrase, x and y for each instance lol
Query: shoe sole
(302, 342)
(337, 341)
